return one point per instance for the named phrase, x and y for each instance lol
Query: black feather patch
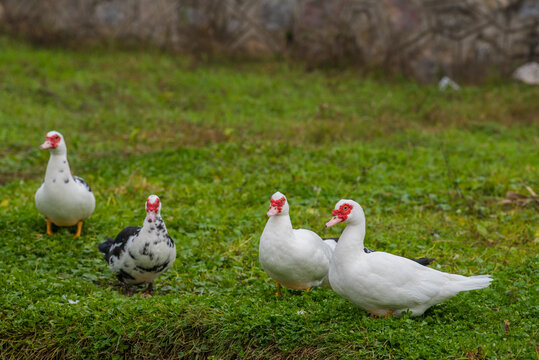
(170, 242)
(105, 247)
(119, 242)
(146, 249)
(81, 181)
(156, 268)
(124, 275)
(424, 261)
(160, 226)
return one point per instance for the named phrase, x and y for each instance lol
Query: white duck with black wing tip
(63, 199)
(384, 284)
(140, 254)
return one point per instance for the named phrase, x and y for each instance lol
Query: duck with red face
(140, 254)
(340, 214)
(296, 258)
(384, 284)
(64, 199)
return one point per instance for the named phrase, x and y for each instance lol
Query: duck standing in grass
(384, 284)
(63, 199)
(140, 254)
(295, 258)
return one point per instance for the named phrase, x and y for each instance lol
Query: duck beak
(46, 145)
(334, 220)
(272, 211)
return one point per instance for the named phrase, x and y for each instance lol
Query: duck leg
(149, 290)
(79, 228)
(278, 293)
(388, 314)
(49, 227)
(126, 290)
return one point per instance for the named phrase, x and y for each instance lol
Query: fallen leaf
(512, 197)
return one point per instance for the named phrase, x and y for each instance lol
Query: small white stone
(446, 82)
(528, 73)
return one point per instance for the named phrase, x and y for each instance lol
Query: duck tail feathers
(474, 282)
(105, 247)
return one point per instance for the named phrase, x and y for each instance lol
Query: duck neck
(57, 168)
(351, 240)
(280, 224)
(157, 225)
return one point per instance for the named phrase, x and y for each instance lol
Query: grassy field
(214, 141)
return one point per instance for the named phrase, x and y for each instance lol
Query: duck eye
(57, 137)
(345, 208)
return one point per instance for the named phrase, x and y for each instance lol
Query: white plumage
(296, 258)
(63, 199)
(382, 283)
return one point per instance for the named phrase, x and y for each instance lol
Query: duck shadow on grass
(138, 289)
(132, 289)
(291, 292)
(297, 292)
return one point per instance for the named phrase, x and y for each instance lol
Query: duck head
(153, 207)
(54, 142)
(347, 211)
(278, 205)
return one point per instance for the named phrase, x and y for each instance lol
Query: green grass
(214, 141)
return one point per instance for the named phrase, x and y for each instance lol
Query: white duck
(295, 258)
(140, 255)
(384, 284)
(63, 199)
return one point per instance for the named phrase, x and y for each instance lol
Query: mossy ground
(214, 141)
